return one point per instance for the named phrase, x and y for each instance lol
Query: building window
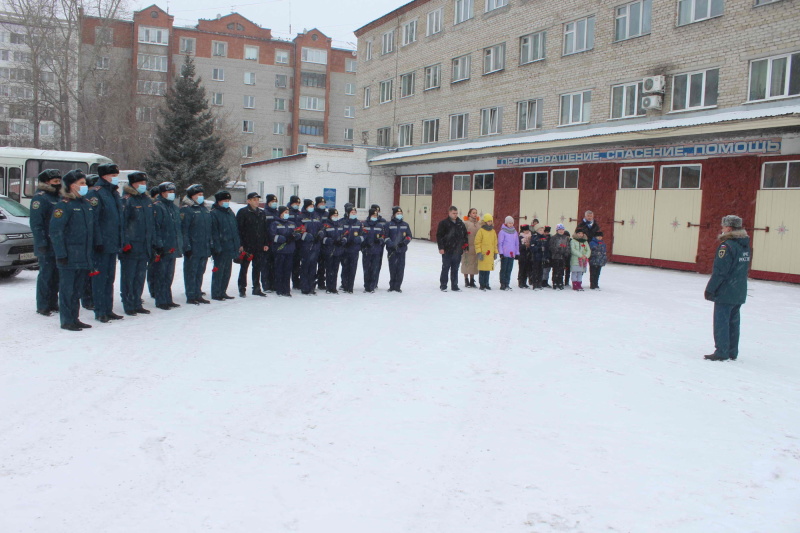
(387, 43)
(249, 78)
(216, 99)
(775, 77)
(367, 93)
(405, 135)
(695, 90)
(358, 197)
(187, 45)
(218, 74)
(425, 185)
(430, 131)
(434, 22)
(491, 120)
(150, 62)
(47, 129)
(312, 103)
(461, 182)
(282, 57)
(483, 182)
(680, 177)
(579, 36)
(765, 2)
(153, 35)
(433, 77)
(278, 152)
(636, 177)
(534, 181)
(368, 51)
(251, 53)
(386, 91)
(409, 32)
(101, 89)
(532, 47)
(219, 49)
(458, 126)
(491, 5)
(626, 100)
(408, 185)
(407, 82)
(281, 81)
(349, 111)
(103, 36)
(22, 128)
(461, 68)
(696, 10)
(103, 63)
(348, 134)
(145, 114)
(313, 79)
(249, 102)
(314, 55)
(494, 58)
(350, 89)
(278, 128)
(280, 104)
(781, 175)
(576, 107)
(565, 179)
(248, 126)
(529, 114)
(632, 20)
(311, 127)
(247, 152)
(384, 137)
(463, 10)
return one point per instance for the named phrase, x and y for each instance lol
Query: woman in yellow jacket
(486, 251)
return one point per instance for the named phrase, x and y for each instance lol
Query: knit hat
(373, 212)
(307, 202)
(71, 177)
(487, 217)
(395, 209)
(347, 207)
(49, 174)
(733, 221)
(106, 169)
(282, 209)
(194, 189)
(598, 234)
(91, 179)
(547, 229)
(331, 211)
(166, 186)
(375, 206)
(509, 220)
(222, 195)
(271, 198)
(136, 177)
(559, 226)
(293, 200)
(318, 200)
(525, 228)
(154, 192)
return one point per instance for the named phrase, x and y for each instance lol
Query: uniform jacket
(196, 228)
(374, 235)
(295, 215)
(598, 257)
(140, 221)
(398, 235)
(486, 246)
(310, 240)
(252, 228)
(72, 231)
(224, 232)
(354, 230)
(108, 215)
(451, 235)
(331, 236)
(728, 283)
(168, 227)
(579, 254)
(540, 248)
(508, 242)
(559, 247)
(281, 235)
(42, 205)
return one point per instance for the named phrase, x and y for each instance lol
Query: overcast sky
(335, 18)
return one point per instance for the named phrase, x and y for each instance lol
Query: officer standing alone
(42, 205)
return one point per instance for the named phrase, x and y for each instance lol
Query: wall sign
(330, 197)
(715, 149)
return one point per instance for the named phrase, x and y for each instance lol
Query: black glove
(99, 248)
(708, 296)
(62, 261)
(159, 250)
(187, 254)
(43, 250)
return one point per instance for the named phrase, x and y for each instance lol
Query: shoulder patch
(94, 200)
(58, 213)
(721, 252)
(35, 204)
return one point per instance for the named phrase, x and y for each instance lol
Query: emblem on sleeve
(721, 253)
(94, 200)
(58, 213)
(35, 205)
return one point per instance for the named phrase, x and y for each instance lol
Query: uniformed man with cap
(398, 235)
(226, 247)
(42, 205)
(87, 299)
(295, 214)
(322, 214)
(727, 287)
(152, 265)
(197, 245)
(72, 235)
(139, 241)
(270, 216)
(108, 212)
(252, 225)
(168, 227)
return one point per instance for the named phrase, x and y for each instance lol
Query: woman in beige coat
(469, 261)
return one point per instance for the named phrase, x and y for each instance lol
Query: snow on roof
(708, 118)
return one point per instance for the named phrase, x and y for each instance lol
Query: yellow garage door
(673, 238)
(533, 197)
(408, 199)
(422, 218)
(779, 249)
(635, 207)
(562, 206)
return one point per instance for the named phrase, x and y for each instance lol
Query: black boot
(243, 292)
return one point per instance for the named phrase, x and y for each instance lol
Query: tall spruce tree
(187, 150)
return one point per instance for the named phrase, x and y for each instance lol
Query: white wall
(324, 168)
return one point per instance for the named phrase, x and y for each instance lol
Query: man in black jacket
(252, 223)
(451, 236)
(589, 225)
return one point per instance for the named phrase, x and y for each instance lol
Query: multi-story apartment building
(661, 116)
(271, 96)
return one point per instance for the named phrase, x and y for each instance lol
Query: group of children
(539, 253)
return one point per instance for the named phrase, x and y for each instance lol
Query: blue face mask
(273, 205)
(226, 205)
(171, 196)
(285, 216)
(353, 217)
(83, 190)
(321, 206)
(200, 199)
(141, 189)
(399, 216)
(335, 219)
(115, 180)
(310, 209)
(374, 219)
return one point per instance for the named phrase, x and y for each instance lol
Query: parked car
(16, 238)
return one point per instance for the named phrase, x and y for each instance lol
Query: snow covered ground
(527, 412)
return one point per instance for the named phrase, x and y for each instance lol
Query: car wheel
(5, 274)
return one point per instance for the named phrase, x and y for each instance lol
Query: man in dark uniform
(168, 227)
(42, 205)
(727, 287)
(152, 266)
(72, 234)
(398, 235)
(270, 216)
(282, 234)
(252, 225)
(196, 228)
(310, 245)
(87, 299)
(225, 237)
(138, 242)
(322, 214)
(107, 205)
(295, 214)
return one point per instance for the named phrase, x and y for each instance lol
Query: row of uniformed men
(79, 232)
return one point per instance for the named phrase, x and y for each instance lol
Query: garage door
(676, 217)
(634, 207)
(777, 205)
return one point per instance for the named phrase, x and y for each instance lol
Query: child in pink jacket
(508, 247)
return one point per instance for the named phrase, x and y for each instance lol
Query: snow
(420, 412)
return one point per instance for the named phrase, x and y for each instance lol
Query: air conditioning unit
(654, 84)
(652, 101)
